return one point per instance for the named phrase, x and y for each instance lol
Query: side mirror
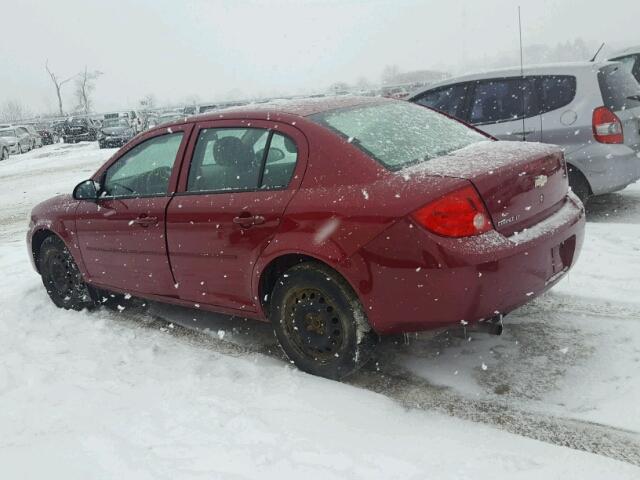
(87, 190)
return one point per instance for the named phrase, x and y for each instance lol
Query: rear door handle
(145, 221)
(246, 221)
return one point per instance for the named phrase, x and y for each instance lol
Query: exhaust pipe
(492, 326)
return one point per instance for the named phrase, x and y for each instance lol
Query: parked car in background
(5, 149)
(48, 134)
(115, 132)
(630, 58)
(18, 139)
(171, 117)
(312, 214)
(58, 127)
(36, 139)
(77, 129)
(150, 121)
(592, 110)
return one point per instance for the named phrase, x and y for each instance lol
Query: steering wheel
(156, 181)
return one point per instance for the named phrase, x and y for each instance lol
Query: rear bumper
(419, 281)
(608, 168)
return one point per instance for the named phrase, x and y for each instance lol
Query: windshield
(398, 134)
(115, 122)
(8, 133)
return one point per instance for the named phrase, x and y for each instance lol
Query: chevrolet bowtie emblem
(540, 181)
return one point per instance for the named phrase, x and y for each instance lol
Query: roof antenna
(593, 59)
(524, 113)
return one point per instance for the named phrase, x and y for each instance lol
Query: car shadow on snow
(620, 207)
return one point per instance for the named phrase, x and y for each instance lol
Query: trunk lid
(520, 183)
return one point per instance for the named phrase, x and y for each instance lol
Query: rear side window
(618, 87)
(227, 159)
(503, 100)
(556, 91)
(398, 134)
(449, 100)
(231, 159)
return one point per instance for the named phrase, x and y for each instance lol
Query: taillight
(460, 213)
(607, 127)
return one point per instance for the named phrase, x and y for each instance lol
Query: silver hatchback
(591, 110)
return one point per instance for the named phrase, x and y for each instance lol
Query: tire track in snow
(415, 392)
(412, 391)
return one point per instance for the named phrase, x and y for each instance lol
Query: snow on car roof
(624, 52)
(302, 107)
(557, 68)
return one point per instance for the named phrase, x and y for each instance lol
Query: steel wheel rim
(62, 275)
(313, 323)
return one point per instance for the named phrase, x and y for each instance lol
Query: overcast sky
(220, 48)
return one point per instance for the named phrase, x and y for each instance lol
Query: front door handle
(145, 221)
(248, 220)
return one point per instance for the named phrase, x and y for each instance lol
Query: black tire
(579, 184)
(61, 277)
(319, 322)
(4, 154)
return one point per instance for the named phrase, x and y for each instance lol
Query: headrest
(230, 151)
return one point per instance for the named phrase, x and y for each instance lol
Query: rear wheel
(579, 184)
(61, 277)
(320, 322)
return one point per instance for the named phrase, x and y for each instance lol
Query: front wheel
(4, 154)
(61, 277)
(320, 322)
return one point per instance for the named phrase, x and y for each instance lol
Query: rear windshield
(618, 87)
(398, 134)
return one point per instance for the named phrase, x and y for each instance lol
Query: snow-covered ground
(130, 395)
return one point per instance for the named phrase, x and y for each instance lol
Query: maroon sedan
(337, 220)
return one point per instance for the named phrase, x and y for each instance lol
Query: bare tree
(12, 110)
(85, 86)
(58, 85)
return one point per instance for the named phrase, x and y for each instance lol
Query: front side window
(449, 100)
(145, 169)
(502, 100)
(398, 134)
